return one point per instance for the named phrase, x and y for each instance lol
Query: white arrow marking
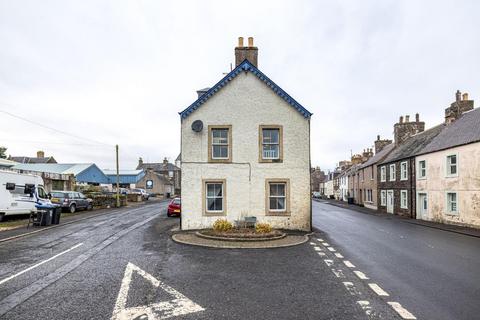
(178, 306)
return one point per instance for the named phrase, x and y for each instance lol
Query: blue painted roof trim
(245, 66)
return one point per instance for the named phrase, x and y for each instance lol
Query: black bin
(56, 212)
(45, 217)
(350, 200)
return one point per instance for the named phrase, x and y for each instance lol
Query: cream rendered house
(448, 170)
(245, 151)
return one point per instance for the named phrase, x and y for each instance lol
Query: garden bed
(243, 234)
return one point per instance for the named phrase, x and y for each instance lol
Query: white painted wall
(466, 184)
(246, 103)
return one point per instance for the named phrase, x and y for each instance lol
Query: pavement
(431, 224)
(431, 270)
(124, 265)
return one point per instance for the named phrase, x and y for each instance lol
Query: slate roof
(7, 163)
(245, 66)
(158, 166)
(464, 130)
(378, 156)
(413, 145)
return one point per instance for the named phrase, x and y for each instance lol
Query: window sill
(421, 178)
(451, 176)
(278, 213)
(270, 161)
(219, 161)
(214, 214)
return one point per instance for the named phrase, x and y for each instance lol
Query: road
(434, 273)
(124, 265)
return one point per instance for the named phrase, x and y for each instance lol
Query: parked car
(20, 192)
(174, 207)
(71, 201)
(316, 194)
(143, 192)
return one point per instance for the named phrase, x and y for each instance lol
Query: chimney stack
(249, 53)
(404, 130)
(40, 154)
(140, 161)
(457, 108)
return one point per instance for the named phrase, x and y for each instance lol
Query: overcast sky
(120, 71)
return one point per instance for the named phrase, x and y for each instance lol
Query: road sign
(179, 305)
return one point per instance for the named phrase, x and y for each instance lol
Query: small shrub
(263, 228)
(222, 225)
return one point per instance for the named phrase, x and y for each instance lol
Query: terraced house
(245, 146)
(448, 169)
(396, 173)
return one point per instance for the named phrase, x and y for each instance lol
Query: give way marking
(178, 306)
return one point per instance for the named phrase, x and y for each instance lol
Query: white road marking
(27, 292)
(338, 273)
(404, 313)
(321, 254)
(361, 275)
(317, 249)
(365, 305)
(328, 262)
(39, 264)
(178, 306)
(331, 249)
(321, 240)
(351, 288)
(325, 244)
(338, 255)
(375, 287)
(313, 243)
(348, 264)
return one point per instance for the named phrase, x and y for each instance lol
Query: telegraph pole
(118, 178)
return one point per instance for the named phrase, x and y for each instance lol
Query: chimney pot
(465, 96)
(378, 137)
(417, 117)
(407, 118)
(240, 41)
(401, 119)
(250, 41)
(457, 95)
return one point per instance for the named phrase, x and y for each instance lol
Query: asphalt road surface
(124, 265)
(435, 274)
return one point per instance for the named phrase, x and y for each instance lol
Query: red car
(174, 207)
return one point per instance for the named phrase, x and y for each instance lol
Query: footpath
(429, 224)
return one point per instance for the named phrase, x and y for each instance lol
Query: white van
(20, 192)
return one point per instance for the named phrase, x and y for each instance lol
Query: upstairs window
(404, 170)
(452, 166)
(383, 174)
(422, 169)
(392, 172)
(271, 144)
(220, 143)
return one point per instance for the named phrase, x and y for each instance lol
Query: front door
(422, 206)
(390, 201)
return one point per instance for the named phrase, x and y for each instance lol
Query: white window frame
(404, 172)
(226, 145)
(383, 173)
(222, 183)
(419, 170)
(392, 173)
(448, 165)
(448, 203)
(383, 198)
(404, 198)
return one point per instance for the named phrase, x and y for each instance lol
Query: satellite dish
(197, 125)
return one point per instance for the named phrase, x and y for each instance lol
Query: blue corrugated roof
(83, 172)
(245, 66)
